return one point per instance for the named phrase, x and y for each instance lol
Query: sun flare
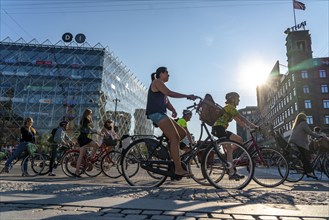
(253, 72)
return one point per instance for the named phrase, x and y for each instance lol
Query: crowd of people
(175, 129)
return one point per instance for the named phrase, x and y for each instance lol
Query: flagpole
(293, 8)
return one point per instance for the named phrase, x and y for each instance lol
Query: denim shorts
(157, 117)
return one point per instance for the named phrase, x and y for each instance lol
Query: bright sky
(209, 46)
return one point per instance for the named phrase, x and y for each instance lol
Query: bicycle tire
(325, 165)
(110, 164)
(194, 167)
(138, 153)
(33, 165)
(46, 168)
(69, 163)
(296, 171)
(216, 168)
(92, 169)
(271, 168)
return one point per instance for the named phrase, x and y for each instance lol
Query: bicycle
(111, 164)
(32, 163)
(151, 154)
(271, 167)
(90, 166)
(62, 151)
(296, 171)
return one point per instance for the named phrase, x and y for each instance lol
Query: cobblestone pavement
(61, 197)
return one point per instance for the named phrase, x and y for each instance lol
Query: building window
(324, 88)
(309, 120)
(323, 74)
(308, 104)
(306, 89)
(326, 119)
(293, 77)
(296, 107)
(326, 103)
(294, 91)
(304, 74)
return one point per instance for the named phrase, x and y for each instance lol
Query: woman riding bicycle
(299, 137)
(156, 109)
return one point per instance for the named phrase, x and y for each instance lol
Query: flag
(299, 5)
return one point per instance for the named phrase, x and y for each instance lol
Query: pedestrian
(299, 137)
(187, 140)
(61, 139)
(84, 139)
(156, 110)
(219, 129)
(27, 136)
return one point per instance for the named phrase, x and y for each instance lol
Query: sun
(253, 72)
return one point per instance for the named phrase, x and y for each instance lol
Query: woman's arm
(243, 122)
(159, 86)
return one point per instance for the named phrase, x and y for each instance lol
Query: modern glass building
(51, 82)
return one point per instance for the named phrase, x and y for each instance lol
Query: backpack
(51, 138)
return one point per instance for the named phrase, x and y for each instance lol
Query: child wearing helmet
(60, 139)
(187, 115)
(222, 123)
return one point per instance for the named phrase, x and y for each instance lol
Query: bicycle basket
(321, 145)
(209, 111)
(31, 148)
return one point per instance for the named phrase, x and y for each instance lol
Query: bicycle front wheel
(224, 174)
(111, 164)
(33, 165)
(271, 168)
(140, 159)
(296, 170)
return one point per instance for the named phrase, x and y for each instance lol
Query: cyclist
(27, 136)
(84, 139)
(187, 115)
(299, 137)
(60, 138)
(108, 136)
(156, 109)
(221, 124)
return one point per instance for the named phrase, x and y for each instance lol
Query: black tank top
(156, 102)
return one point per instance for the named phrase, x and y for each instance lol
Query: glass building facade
(52, 82)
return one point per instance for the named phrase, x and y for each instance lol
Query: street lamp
(116, 100)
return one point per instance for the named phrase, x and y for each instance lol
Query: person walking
(156, 109)
(27, 136)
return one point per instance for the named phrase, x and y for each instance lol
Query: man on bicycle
(184, 144)
(60, 139)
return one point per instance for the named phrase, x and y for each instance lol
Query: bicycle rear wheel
(137, 155)
(216, 168)
(271, 168)
(33, 165)
(111, 164)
